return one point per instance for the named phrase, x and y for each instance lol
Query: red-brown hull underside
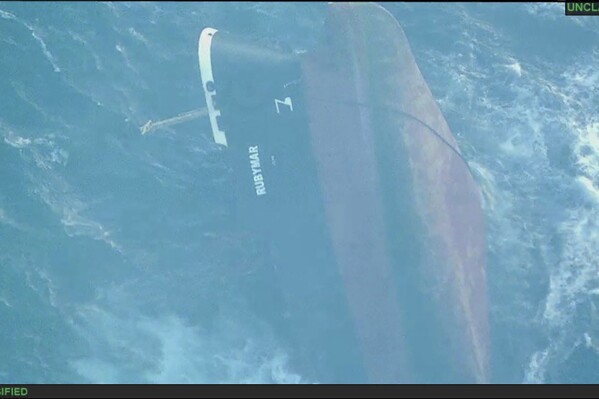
(374, 152)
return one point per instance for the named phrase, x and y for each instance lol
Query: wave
(127, 348)
(36, 35)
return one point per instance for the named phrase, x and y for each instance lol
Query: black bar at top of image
(296, 391)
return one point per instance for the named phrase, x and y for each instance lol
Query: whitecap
(49, 56)
(535, 372)
(5, 302)
(7, 15)
(138, 35)
(515, 67)
(15, 140)
(166, 349)
(45, 50)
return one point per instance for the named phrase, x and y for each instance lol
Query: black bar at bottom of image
(292, 391)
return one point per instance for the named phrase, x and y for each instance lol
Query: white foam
(138, 35)
(125, 55)
(15, 140)
(591, 341)
(576, 276)
(35, 35)
(5, 302)
(577, 273)
(589, 189)
(49, 285)
(43, 150)
(535, 372)
(515, 67)
(544, 101)
(586, 151)
(7, 15)
(40, 283)
(545, 10)
(488, 185)
(45, 50)
(168, 350)
(77, 225)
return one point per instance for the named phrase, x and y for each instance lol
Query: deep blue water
(116, 256)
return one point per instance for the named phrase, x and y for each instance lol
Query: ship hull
(375, 223)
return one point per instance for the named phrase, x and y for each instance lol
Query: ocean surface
(117, 261)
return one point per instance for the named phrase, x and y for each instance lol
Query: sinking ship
(345, 164)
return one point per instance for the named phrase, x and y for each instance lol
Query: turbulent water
(116, 257)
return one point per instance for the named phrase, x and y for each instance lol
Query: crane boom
(184, 117)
